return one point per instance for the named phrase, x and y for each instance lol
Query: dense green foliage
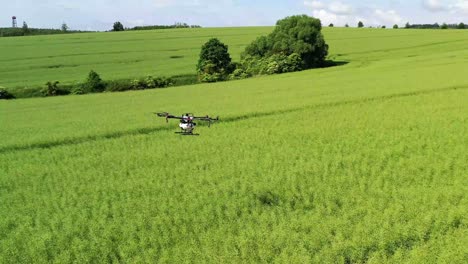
(214, 63)
(51, 89)
(118, 26)
(360, 24)
(4, 94)
(364, 163)
(176, 25)
(93, 83)
(299, 35)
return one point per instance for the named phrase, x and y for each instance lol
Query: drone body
(187, 124)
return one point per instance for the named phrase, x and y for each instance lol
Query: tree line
(25, 30)
(417, 26)
(436, 26)
(118, 26)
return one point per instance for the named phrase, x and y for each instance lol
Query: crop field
(361, 163)
(32, 61)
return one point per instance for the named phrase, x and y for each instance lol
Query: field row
(373, 181)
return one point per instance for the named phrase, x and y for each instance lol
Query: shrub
(93, 84)
(150, 82)
(185, 79)
(461, 26)
(118, 85)
(138, 84)
(239, 74)
(4, 94)
(444, 26)
(51, 89)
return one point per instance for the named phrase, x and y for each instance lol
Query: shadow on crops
(331, 63)
(150, 130)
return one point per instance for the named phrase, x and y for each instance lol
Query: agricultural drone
(187, 124)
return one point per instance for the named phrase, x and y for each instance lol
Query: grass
(365, 162)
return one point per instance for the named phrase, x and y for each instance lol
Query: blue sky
(100, 14)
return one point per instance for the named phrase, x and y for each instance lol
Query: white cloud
(434, 5)
(340, 8)
(335, 12)
(340, 13)
(162, 3)
(314, 4)
(461, 5)
(389, 17)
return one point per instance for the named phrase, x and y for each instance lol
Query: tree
(395, 26)
(64, 27)
(360, 24)
(93, 83)
(346, 25)
(461, 26)
(384, 26)
(331, 25)
(407, 25)
(301, 35)
(118, 26)
(214, 63)
(444, 26)
(25, 28)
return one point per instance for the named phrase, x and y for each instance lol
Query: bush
(395, 26)
(138, 84)
(93, 84)
(77, 90)
(444, 26)
(118, 85)
(185, 79)
(239, 74)
(4, 94)
(461, 26)
(360, 24)
(51, 89)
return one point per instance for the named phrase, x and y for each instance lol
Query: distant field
(365, 162)
(32, 61)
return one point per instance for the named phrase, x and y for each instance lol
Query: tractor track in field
(150, 130)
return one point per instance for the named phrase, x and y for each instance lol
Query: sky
(101, 14)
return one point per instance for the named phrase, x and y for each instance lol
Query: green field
(365, 162)
(32, 61)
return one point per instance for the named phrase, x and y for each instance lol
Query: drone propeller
(190, 116)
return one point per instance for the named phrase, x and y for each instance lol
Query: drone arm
(207, 119)
(167, 116)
